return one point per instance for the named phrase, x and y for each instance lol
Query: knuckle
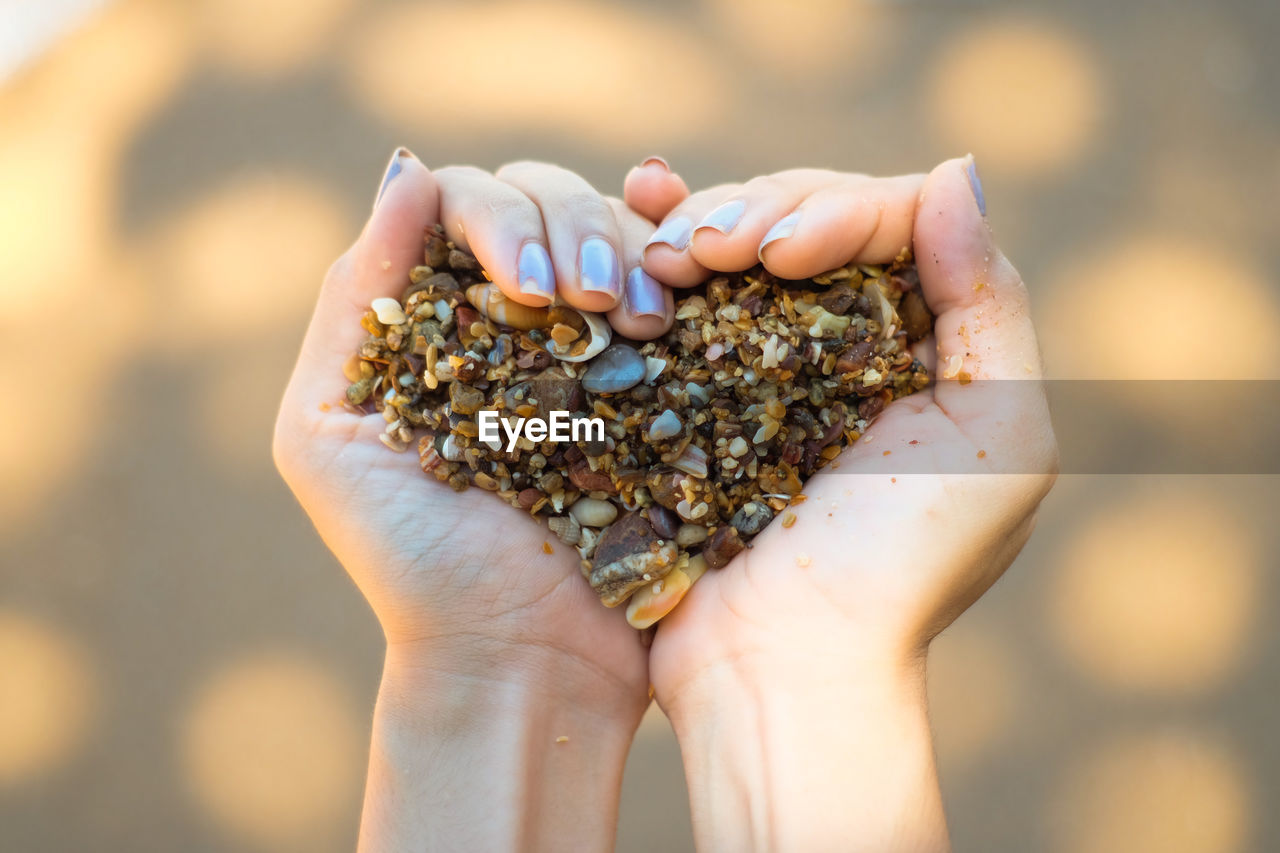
(520, 168)
(465, 173)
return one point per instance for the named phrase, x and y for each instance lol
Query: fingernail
(644, 295)
(674, 233)
(533, 271)
(598, 267)
(975, 184)
(393, 169)
(651, 161)
(725, 217)
(783, 228)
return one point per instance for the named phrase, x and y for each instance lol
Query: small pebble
(752, 518)
(590, 512)
(665, 426)
(691, 534)
(616, 369)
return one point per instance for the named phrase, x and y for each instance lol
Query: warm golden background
(182, 664)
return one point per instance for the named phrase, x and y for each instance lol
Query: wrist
(509, 675)
(466, 760)
(787, 753)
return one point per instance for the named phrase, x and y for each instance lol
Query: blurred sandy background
(183, 665)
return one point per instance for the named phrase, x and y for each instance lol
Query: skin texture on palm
(896, 525)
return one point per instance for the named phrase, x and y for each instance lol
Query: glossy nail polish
(533, 271)
(644, 295)
(725, 217)
(782, 229)
(598, 267)
(674, 233)
(975, 184)
(394, 168)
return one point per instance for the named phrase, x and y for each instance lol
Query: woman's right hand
(794, 675)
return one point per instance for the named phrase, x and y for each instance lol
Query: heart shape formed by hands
(703, 436)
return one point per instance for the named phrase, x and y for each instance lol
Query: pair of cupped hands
(491, 641)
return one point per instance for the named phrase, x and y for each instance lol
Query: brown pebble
(664, 522)
(916, 319)
(664, 486)
(723, 546)
(528, 497)
(465, 399)
(855, 357)
(581, 475)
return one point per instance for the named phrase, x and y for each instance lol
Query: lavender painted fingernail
(674, 233)
(725, 217)
(783, 228)
(975, 184)
(644, 295)
(598, 267)
(533, 271)
(393, 169)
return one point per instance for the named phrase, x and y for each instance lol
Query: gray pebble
(752, 518)
(616, 369)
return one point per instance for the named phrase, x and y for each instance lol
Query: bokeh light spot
(1158, 593)
(274, 751)
(247, 257)
(573, 69)
(1146, 308)
(258, 39)
(1023, 96)
(47, 697)
(1158, 792)
(802, 37)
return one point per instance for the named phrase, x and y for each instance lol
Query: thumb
(988, 369)
(377, 264)
(983, 324)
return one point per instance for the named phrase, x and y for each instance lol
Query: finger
(376, 265)
(983, 326)
(652, 189)
(868, 220)
(728, 237)
(968, 282)
(666, 253)
(647, 309)
(502, 227)
(582, 233)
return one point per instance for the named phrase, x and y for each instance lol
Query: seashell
(388, 310)
(566, 528)
(590, 344)
(490, 301)
(693, 462)
(652, 601)
(881, 309)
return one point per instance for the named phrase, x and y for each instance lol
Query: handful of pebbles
(709, 431)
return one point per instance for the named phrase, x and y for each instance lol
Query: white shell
(492, 303)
